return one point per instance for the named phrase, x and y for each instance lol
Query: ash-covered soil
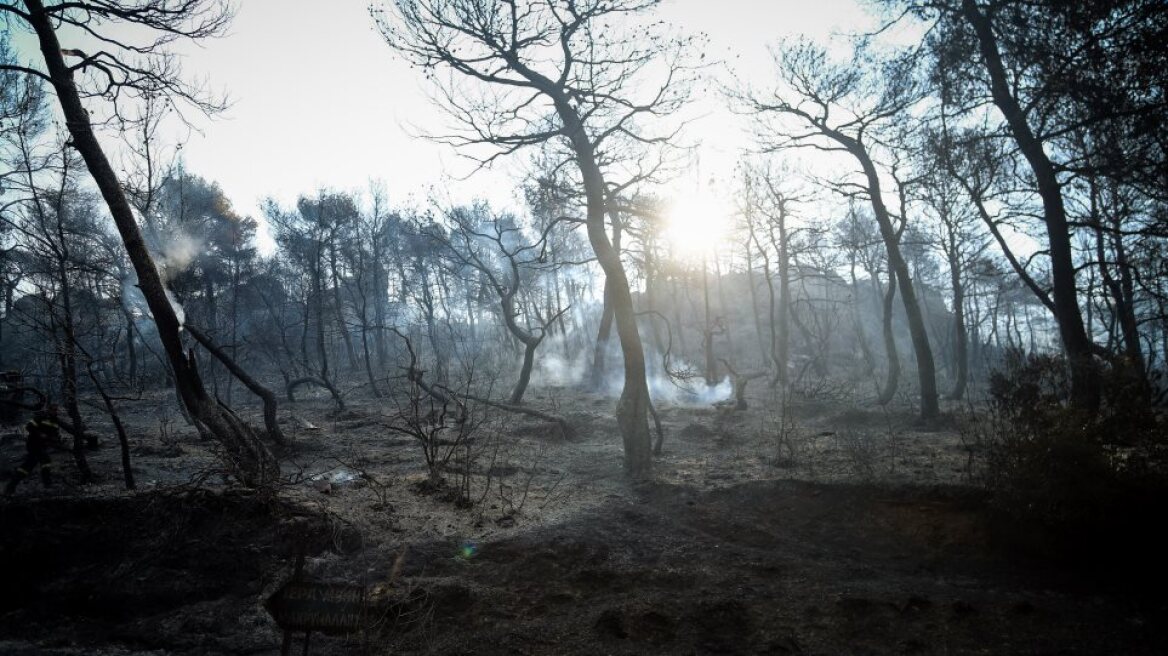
(828, 529)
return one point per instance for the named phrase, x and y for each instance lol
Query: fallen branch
(444, 395)
(319, 382)
(566, 429)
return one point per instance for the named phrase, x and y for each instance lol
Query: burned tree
(121, 73)
(309, 237)
(955, 234)
(1066, 96)
(495, 247)
(555, 71)
(837, 107)
(768, 215)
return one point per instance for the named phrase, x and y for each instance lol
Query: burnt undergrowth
(98, 569)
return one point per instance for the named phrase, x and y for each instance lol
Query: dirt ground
(830, 529)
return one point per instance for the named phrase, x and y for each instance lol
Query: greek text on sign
(325, 607)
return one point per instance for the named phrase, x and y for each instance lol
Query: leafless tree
(837, 107)
(118, 75)
(494, 247)
(555, 70)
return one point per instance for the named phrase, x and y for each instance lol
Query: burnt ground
(826, 531)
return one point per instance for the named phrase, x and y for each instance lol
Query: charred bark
(249, 460)
(266, 395)
(1085, 380)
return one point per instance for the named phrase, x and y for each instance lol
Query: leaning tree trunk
(119, 428)
(528, 339)
(1085, 380)
(267, 396)
(926, 368)
(524, 372)
(604, 332)
(248, 457)
(632, 411)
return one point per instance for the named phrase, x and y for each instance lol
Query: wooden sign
(332, 608)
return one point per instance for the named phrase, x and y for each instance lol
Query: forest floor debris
(817, 533)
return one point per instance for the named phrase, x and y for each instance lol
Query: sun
(696, 223)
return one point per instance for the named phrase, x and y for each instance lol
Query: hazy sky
(320, 100)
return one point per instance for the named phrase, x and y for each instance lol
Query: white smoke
(689, 393)
(135, 304)
(173, 256)
(570, 365)
(556, 369)
(178, 309)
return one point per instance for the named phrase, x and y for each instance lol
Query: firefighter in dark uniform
(43, 432)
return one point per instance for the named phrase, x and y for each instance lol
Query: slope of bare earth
(824, 530)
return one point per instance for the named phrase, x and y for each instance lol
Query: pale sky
(320, 100)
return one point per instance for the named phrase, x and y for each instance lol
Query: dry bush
(863, 451)
(782, 443)
(1093, 482)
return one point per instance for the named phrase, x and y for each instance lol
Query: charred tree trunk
(266, 395)
(960, 334)
(780, 375)
(1085, 381)
(249, 459)
(524, 372)
(726, 320)
(782, 348)
(600, 353)
(131, 349)
(926, 368)
(339, 311)
(632, 412)
(762, 347)
(892, 377)
(119, 428)
(431, 324)
(709, 330)
(861, 334)
(212, 321)
(380, 312)
(1121, 294)
(68, 354)
(530, 341)
(368, 357)
(651, 298)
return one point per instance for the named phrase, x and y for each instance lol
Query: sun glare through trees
(696, 224)
(583, 326)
